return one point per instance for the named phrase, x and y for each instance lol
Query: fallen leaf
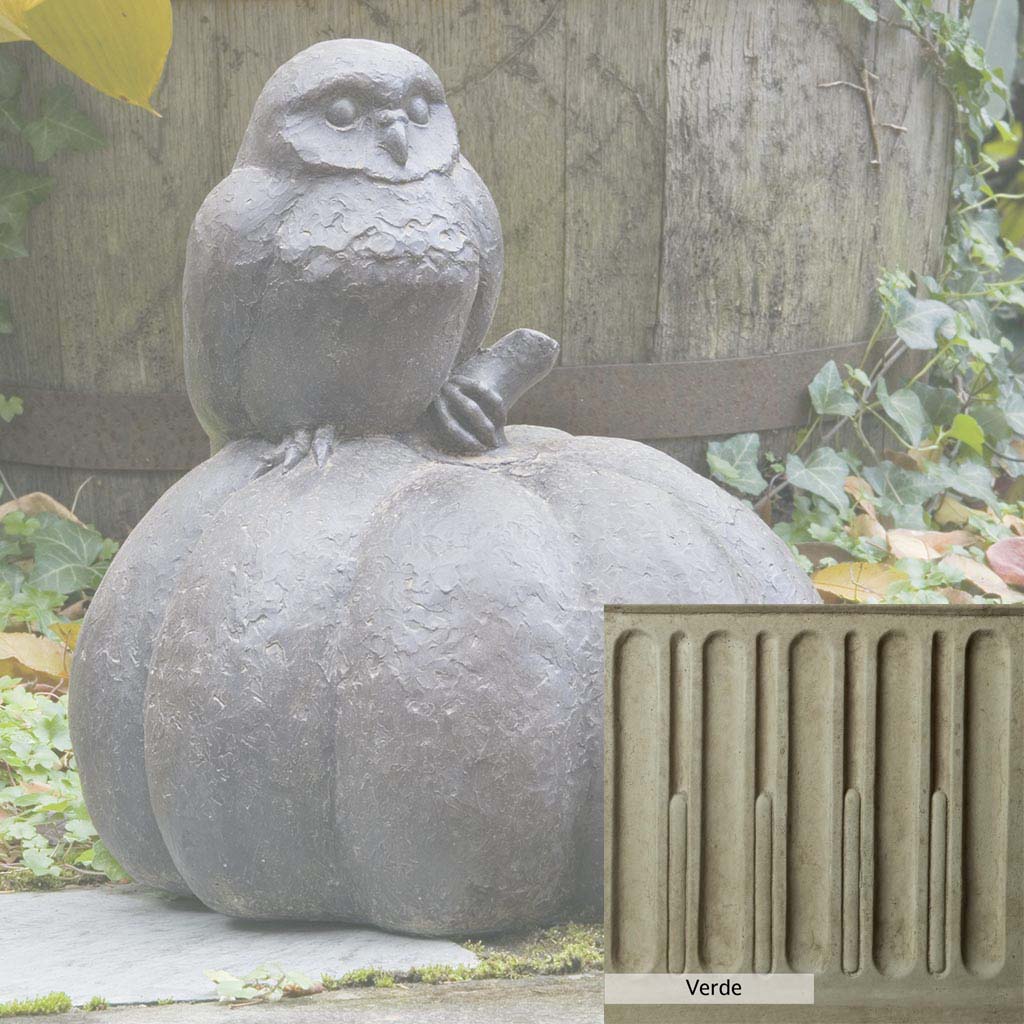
(36, 502)
(68, 632)
(818, 550)
(860, 490)
(33, 657)
(954, 596)
(1015, 523)
(928, 544)
(1007, 560)
(952, 512)
(868, 527)
(983, 578)
(857, 581)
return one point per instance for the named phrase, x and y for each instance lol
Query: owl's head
(353, 105)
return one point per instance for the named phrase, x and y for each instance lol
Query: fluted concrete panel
(829, 790)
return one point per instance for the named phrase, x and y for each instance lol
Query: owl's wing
(231, 248)
(483, 216)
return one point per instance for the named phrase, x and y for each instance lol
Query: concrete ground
(131, 946)
(569, 1000)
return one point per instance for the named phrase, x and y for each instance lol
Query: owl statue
(351, 666)
(350, 260)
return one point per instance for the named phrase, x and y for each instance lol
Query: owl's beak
(395, 142)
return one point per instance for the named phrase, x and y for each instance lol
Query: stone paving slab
(571, 1000)
(132, 946)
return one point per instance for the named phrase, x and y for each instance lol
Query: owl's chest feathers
(349, 228)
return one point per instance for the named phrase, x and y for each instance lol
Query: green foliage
(945, 446)
(44, 827)
(46, 563)
(864, 8)
(10, 407)
(60, 127)
(96, 1003)
(567, 949)
(56, 127)
(266, 984)
(55, 1002)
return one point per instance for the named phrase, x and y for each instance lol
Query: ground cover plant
(50, 563)
(907, 484)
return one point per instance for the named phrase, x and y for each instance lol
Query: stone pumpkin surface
(371, 690)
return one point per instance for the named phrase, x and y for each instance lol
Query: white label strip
(670, 989)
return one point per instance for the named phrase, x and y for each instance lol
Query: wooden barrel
(689, 205)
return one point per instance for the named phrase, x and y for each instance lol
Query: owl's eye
(342, 113)
(418, 110)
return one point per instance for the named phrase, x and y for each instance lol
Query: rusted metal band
(644, 401)
(705, 398)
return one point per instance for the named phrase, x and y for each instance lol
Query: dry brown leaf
(868, 527)
(36, 502)
(857, 581)
(954, 596)
(33, 657)
(952, 512)
(928, 544)
(1015, 523)
(860, 490)
(983, 578)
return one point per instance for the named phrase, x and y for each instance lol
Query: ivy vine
(933, 513)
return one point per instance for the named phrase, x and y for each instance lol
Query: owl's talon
(296, 448)
(323, 444)
(452, 434)
(470, 415)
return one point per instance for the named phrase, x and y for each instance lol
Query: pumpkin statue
(351, 666)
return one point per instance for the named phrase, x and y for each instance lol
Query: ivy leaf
(992, 421)
(12, 245)
(66, 556)
(823, 474)
(10, 407)
(970, 479)
(18, 194)
(61, 127)
(864, 9)
(734, 462)
(827, 394)
(901, 486)
(965, 428)
(917, 321)
(6, 320)
(10, 78)
(904, 408)
(11, 118)
(1013, 409)
(940, 404)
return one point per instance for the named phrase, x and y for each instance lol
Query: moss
(55, 1002)
(567, 949)
(96, 1003)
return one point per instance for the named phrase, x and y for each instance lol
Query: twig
(869, 102)
(81, 487)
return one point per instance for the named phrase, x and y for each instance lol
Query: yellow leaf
(117, 46)
(857, 581)
(33, 657)
(68, 632)
(952, 512)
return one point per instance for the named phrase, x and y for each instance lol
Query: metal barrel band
(639, 401)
